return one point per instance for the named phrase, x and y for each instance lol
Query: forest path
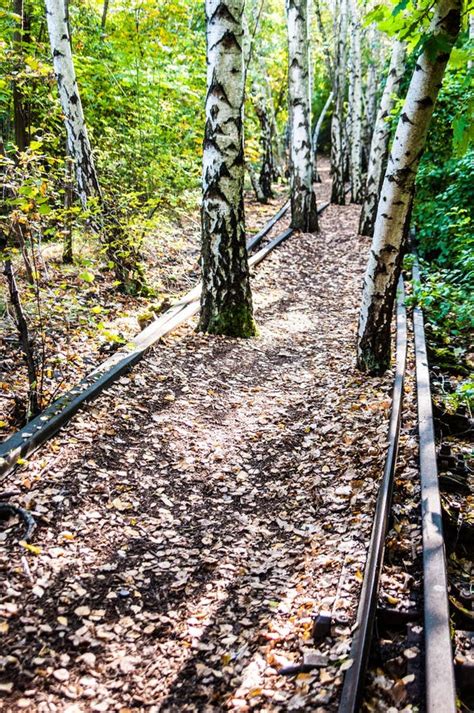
(202, 509)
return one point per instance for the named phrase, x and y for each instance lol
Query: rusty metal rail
(439, 668)
(361, 642)
(440, 688)
(37, 431)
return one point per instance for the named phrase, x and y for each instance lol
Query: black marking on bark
(221, 13)
(406, 119)
(425, 103)
(217, 90)
(228, 41)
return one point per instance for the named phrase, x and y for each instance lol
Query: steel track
(440, 689)
(361, 642)
(40, 429)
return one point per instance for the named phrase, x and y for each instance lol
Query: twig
(9, 509)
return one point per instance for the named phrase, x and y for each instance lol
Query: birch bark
(266, 139)
(304, 215)
(398, 188)
(79, 147)
(315, 137)
(380, 140)
(226, 301)
(339, 88)
(355, 110)
(370, 93)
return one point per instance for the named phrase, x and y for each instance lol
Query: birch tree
(304, 214)
(316, 132)
(355, 107)
(339, 89)
(78, 143)
(370, 93)
(398, 188)
(380, 140)
(226, 300)
(121, 251)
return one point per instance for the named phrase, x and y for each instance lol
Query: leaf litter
(196, 518)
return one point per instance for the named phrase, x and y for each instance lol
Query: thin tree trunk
(355, 108)
(68, 197)
(19, 111)
(304, 214)
(266, 140)
(339, 87)
(380, 140)
(324, 39)
(370, 95)
(226, 300)
(105, 9)
(259, 195)
(317, 129)
(121, 252)
(398, 189)
(79, 147)
(23, 332)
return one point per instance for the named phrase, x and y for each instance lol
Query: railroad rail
(439, 668)
(361, 642)
(440, 685)
(40, 429)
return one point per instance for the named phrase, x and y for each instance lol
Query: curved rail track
(439, 677)
(440, 687)
(37, 431)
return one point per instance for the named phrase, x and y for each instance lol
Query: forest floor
(80, 317)
(198, 514)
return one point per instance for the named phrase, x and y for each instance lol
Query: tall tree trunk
(19, 109)
(370, 94)
(316, 132)
(79, 147)
(339, 88)
(380, 140)
(226, 300)
(120, 250)
(105, 9)
(25, 340)
(398, 189)
(304, 214)
(324, 39)
(266, 139)
(255, 183)
(68, 257)
(355, 108)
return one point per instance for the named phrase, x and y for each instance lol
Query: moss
(235, 322)
(368, 362)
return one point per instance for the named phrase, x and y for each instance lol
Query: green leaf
(87, 276)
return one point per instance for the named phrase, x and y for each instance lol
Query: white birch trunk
(370, 93)
(304, 215)
(316, 132)
(339, 88)
(77, 138)
(355, 133)
(398, 188)
(226, 301)
(380, 140)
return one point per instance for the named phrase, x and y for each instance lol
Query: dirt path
(197, 515)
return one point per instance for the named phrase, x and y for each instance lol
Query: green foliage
(444, 217)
